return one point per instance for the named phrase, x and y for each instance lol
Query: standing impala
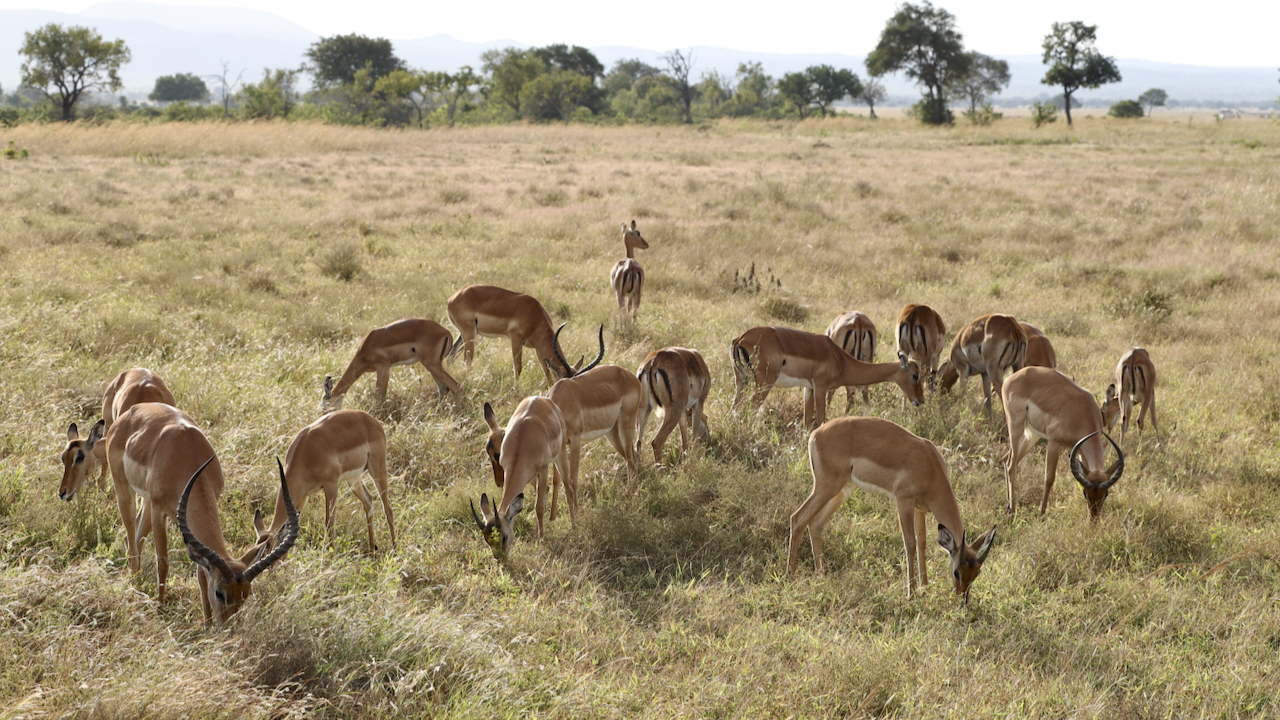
(84, 456)
(920, 333)
(338, 447)
(152, 448)
(494, 312)
(1135, 382)
(627, 277)
(878, 455)
(988, 346)
(1044, 403)
(856, 335)
(404, 342)
(794, 358)
(534, 439)
(675, 379)
(1040, 351)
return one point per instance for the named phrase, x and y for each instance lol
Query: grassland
(244, 262)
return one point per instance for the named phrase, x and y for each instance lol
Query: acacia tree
(1074, 62)
(679, 66)
(335, 60)
(1152, 99)
(987, 76)
(72, 60)
(922, 42)
(178, 88)
(831, 85)
(508, 70)
(872, 92)
(797, 87)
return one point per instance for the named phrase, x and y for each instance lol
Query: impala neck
(947, 512)
(856, 372)
(202, 517)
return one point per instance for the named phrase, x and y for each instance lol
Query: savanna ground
(244, 263)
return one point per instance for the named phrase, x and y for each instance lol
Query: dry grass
(244, 262)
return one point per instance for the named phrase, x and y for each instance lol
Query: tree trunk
(1066, 102)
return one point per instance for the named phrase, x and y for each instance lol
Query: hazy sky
(1221, 33)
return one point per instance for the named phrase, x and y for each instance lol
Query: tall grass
(244, 262)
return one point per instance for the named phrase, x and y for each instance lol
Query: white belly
(594, 434)
(785, 380)
(136, 473)
(868, 486)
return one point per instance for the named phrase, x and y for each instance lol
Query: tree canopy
(334, 61)
(987, 76)
(1074, 62)
(71, 60)
(180, 87)
(921, 41)
(1152, 99)
(831, 85)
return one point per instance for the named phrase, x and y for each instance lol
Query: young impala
(856, 335)
(404, 342)
(676, 380)
(494, 312)
(1135, 382)
(879, 456)
(627, 277)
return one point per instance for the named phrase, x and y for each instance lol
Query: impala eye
(497, 457)
(80, 456)
(956, 574)
(222, 597)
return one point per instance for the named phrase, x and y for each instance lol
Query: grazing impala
(1135, 382)
(794, 358)
(338, 447)
(878, 455)
(920, 334)
(152, 448)
(675, 379)
(534, 439)
(494, 312)
(82, 457)
(627, 277)
(1044, 403)
(856, 335)
(988, 346)
(1039, 350)
(404, 342)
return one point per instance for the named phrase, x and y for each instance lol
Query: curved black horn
(598, 357)
(197, 550)
(288, 533)
(1114, 474)
(555, 347)
(479, 523)
(1077, 468)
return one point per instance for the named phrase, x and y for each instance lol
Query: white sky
(1223, 33)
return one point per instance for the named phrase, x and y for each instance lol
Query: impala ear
(633, 225)
(516, 506)
(1111, 392)
(73, 433)
(947, 540)
(99, 429)
(258, 525)
(982, 545)
(489, 417)
(328, 388)
(902, 359)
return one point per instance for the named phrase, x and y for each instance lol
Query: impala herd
(156, 452)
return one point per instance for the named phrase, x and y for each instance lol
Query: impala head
(1110, 407)
(79, 460)
(565, 370)
(504, 524)
(330, 402)
(1096, 483)
(631, 237)
(493, 445)
(225, 583)
(910, 383)
(966, 560)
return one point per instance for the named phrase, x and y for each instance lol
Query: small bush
(453, 195)
(343, 263)
(1126, 109)
(13, 152)
(548, 197)
(1042, 113)
(784, 309)
(984, 115)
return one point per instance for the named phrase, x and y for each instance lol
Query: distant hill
(168, 39)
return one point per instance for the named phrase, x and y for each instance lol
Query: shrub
(1042, 113)
(984, 115)
(343, 263)
(1126, 109)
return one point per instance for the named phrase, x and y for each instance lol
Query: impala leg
(866, 395)
(541, 505)
(907, 519)
(1151, 402)
(445, 382)
(384, 379)
(670, 418)
(330, 510)
(986, 393)
(642, 419)
(125, 503)
(1051, 454)
(160, 539)
(571, 484)
(922, 543)
(143, 522)
(1126, 408)
(624, 448)
(517, 356)
(363, 494)
(1019, 444)
(378, 470)
(819, 398)
(813, 516)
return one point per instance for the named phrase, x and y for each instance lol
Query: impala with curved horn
(225, 582)
(84, 456)
(404, 342)
(793, 358)
(1136, 382)
(677, 380)
(627, 277)
(494, 312)
(150, 449)
(988, 346)
(883, 457)
(1044, 403)
(534, 439)
(856, 335)
(920, 333)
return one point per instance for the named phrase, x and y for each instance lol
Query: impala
(794, 358)
(1039, 350)
(338, 447)
(675, 379)
(404, 342)
(856, 335)
(920, 334)
(1044, 403)
(494, 312)
(151, 449)
(627, 277)
(82, 457)
(988, 346)
(1136, 382)
(878, 455)
(534, 439)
